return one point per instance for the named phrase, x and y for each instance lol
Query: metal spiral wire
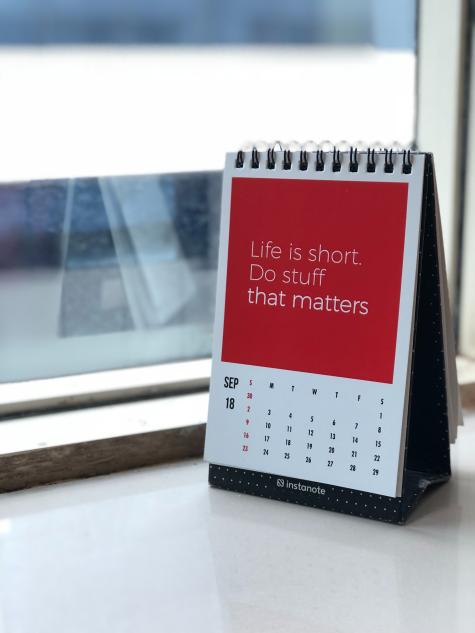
(361, 157)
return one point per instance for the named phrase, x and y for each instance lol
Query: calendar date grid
(297, 429)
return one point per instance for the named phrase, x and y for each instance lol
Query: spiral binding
(316, 159)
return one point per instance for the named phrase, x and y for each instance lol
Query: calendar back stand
(427, 455)
(426, 450)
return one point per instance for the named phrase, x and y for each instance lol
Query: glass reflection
(103, 273)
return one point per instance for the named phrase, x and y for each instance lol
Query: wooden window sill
(54, 447)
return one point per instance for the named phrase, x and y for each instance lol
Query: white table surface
(158, 550)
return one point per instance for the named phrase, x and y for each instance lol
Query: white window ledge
(100, 423)
(101, 387)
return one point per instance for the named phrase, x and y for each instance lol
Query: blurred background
(101, 272)
(208, 22)
(110, 87)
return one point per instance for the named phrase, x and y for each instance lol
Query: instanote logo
(297, 485)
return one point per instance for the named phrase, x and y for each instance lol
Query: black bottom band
(325, 496)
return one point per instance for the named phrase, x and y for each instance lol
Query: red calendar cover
(314, 276)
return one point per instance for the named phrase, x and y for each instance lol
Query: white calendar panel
(314, 321)
(318, 428)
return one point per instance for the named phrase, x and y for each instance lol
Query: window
(101, 273)
(107, 280)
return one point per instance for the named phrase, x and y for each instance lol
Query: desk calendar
(333, 381)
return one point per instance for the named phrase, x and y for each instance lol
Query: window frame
(467, 281)
(440, 128)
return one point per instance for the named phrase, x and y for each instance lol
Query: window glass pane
(101, 273)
